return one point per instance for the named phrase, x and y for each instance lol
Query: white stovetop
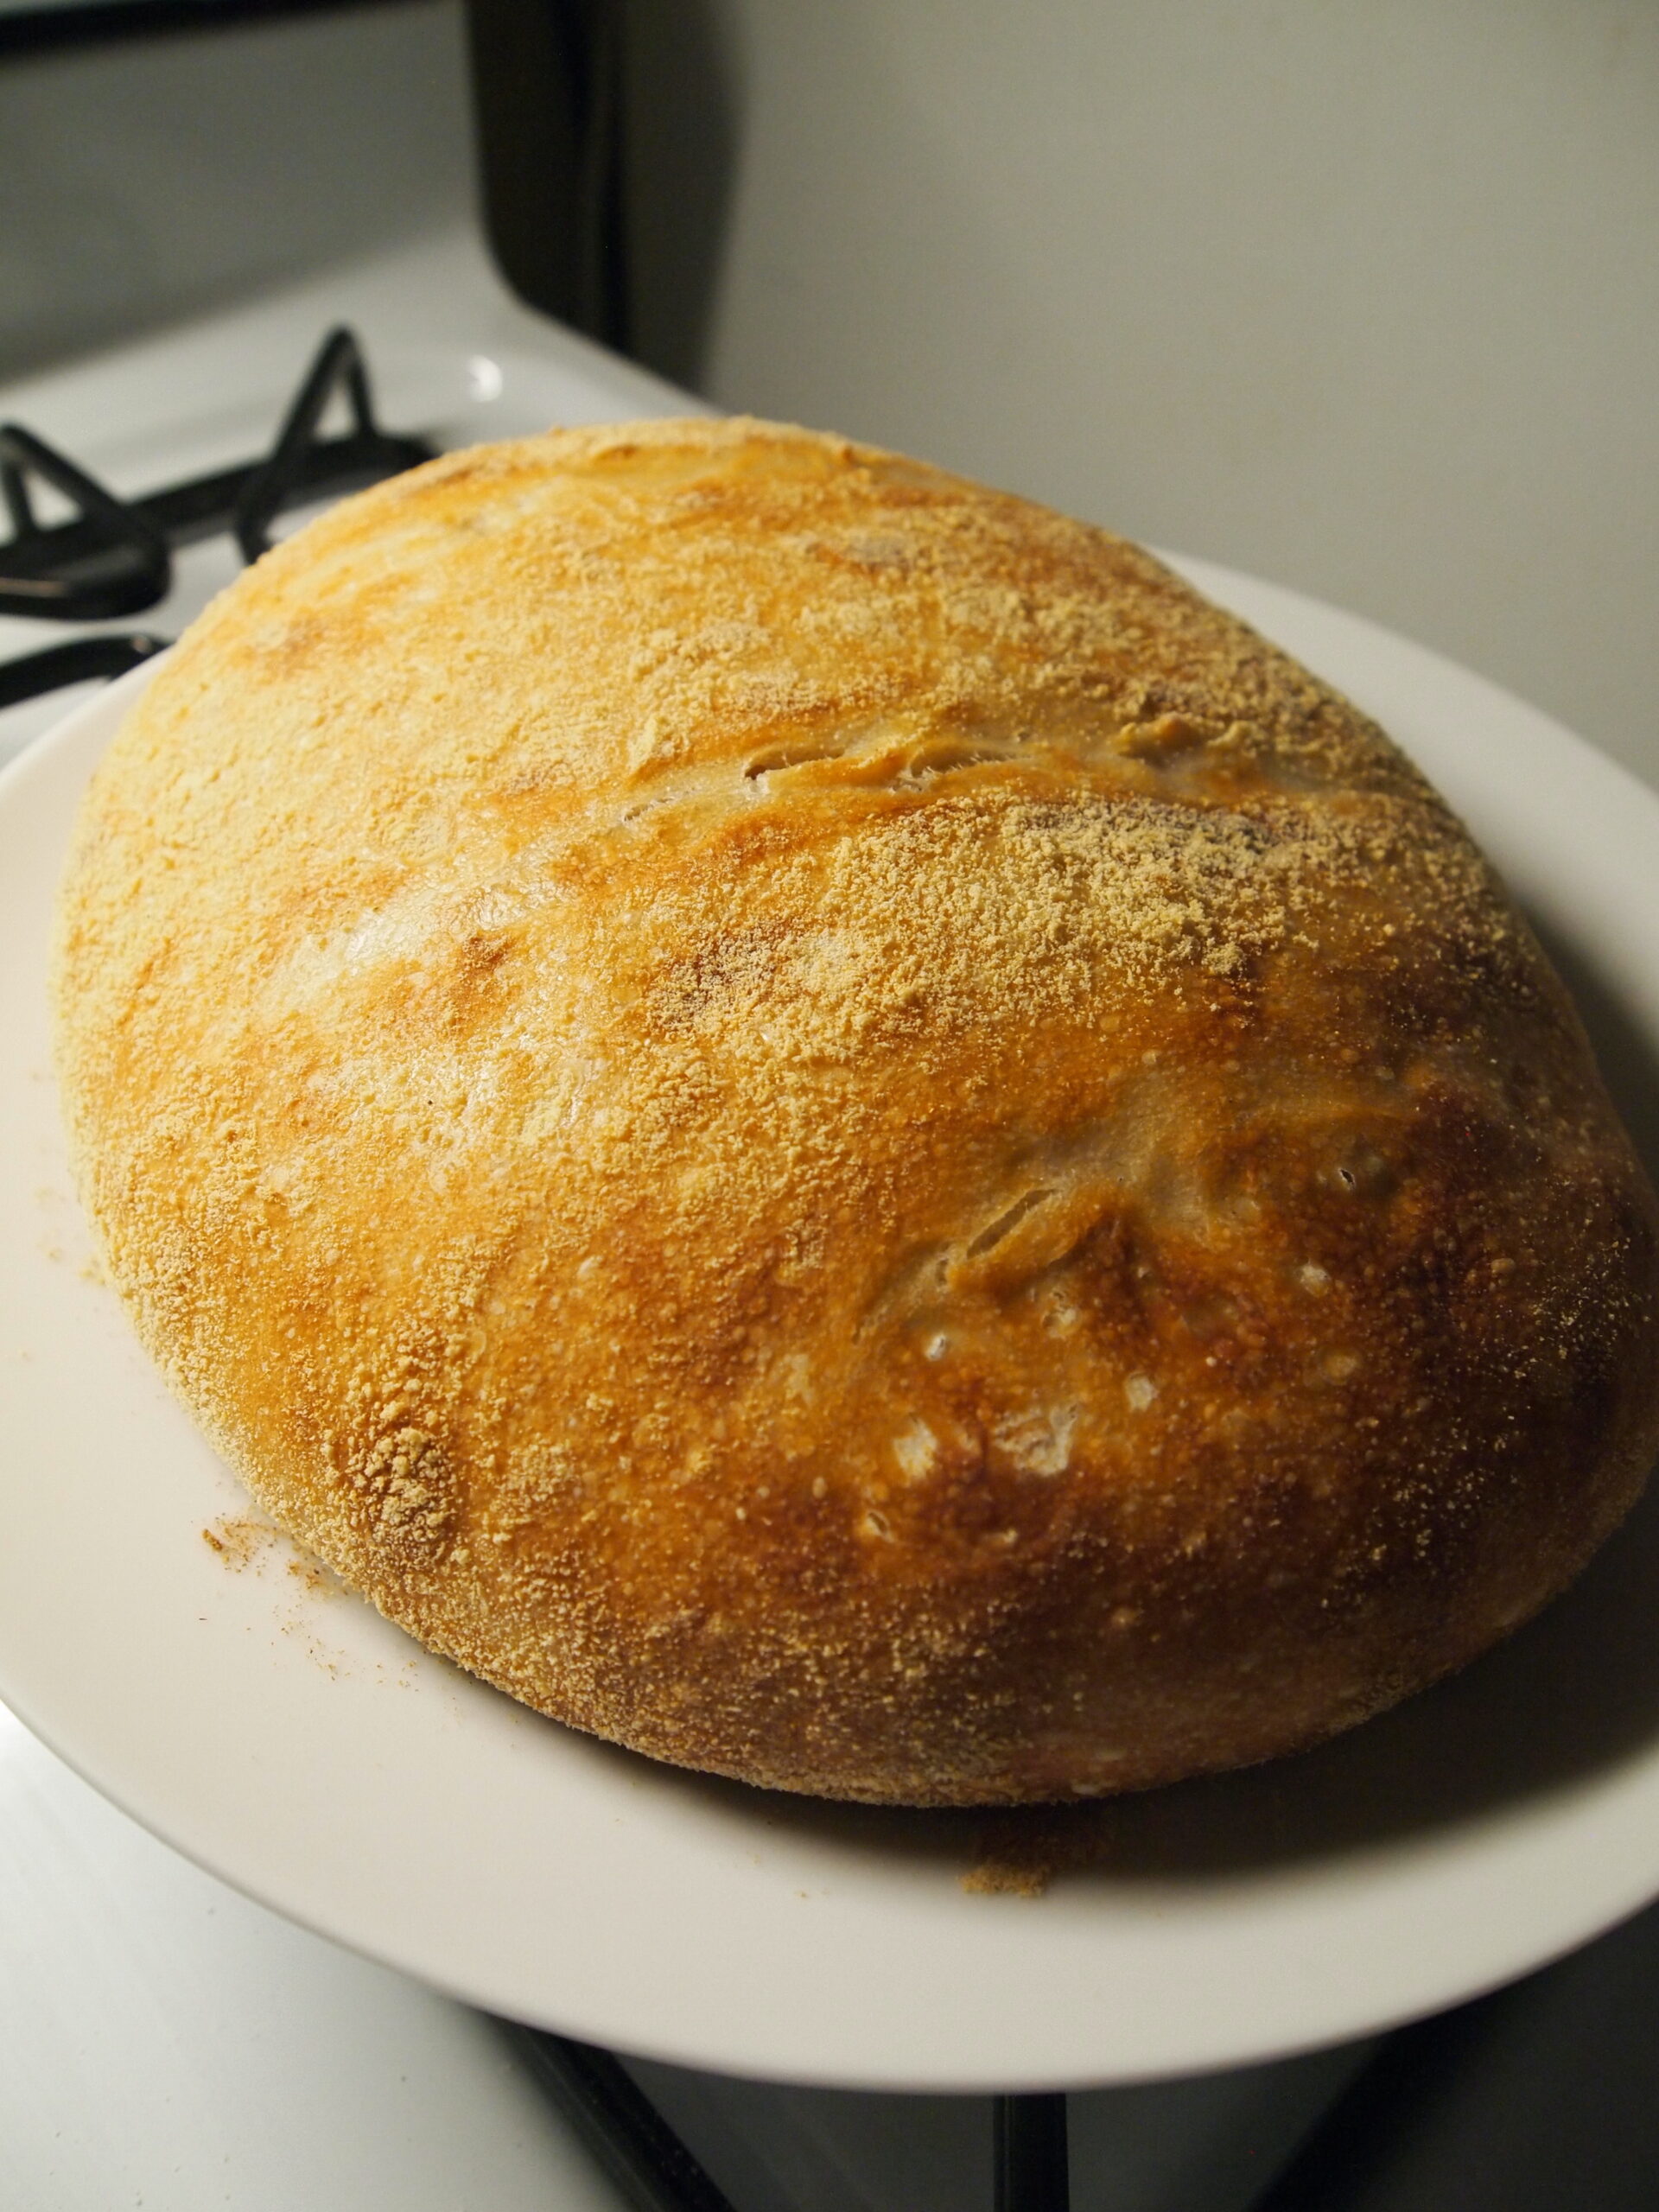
(163, 2042)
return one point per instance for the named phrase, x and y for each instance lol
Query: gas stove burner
(114, 557)
(302, 466)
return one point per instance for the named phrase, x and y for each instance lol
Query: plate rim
(1614, 1901)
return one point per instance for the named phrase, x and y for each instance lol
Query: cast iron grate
(111, 557)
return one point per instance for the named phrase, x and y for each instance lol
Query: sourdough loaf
(813, 1118)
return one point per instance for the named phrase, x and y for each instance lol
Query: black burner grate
(113, 556)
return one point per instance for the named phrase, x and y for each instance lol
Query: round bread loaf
(811, 1117)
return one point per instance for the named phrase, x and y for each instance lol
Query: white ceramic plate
(294, 1743)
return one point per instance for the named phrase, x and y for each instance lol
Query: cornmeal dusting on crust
(811, 1116)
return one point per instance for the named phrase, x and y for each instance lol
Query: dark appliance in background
(548, 92)
(604, 141)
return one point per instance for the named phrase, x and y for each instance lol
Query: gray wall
(1363, 296)
(141, 181)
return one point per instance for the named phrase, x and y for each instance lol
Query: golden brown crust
(813, 1118)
